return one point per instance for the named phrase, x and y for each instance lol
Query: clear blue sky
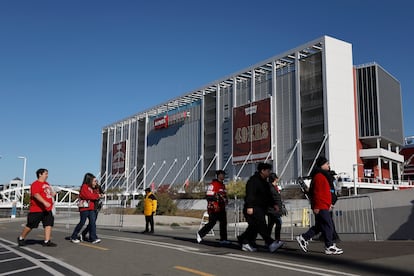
(69, 68)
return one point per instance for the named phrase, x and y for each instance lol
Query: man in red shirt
(41, 204)
(321, 204)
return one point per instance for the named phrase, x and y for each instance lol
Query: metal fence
(110, 216)
(296, 221)
(353, 218)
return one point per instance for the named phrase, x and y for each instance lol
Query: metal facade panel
(177, 141)
(389, 95)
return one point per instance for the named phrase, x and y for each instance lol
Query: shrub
(236, 188)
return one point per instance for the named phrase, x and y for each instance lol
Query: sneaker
(302, 243)
(49, 244)
(275, 246)
(21, 242)
(75, 240)
(224, 242)
(96, 241)
(198, 237)
(248, 248)
(333, 250)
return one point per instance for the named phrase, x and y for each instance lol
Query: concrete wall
(394, 214)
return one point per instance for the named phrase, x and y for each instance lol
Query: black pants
(212, 220)
(256, 225)
(149, 220)
(273, 219)
(324, 224)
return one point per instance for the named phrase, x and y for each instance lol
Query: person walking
(321, 204)
(150, 207)
(216, 196)
(274, 214)
(98, 207)
(256, 202)
(87, 199)
(40, 210)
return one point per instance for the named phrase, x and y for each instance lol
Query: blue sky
(69, 68)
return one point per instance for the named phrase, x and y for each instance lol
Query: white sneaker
(302, 243)
(96, 241)
(248, 248)
(75, 240)
(199, 239)
(333, 250)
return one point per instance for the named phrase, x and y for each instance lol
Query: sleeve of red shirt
(322, 198)
(86, 193)
(35, 188)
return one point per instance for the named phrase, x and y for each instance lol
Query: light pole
(354, 167)
(24, 181)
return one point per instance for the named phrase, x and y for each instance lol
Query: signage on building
(118, 157)
(161, 122)
(251, 131)
(167, 120)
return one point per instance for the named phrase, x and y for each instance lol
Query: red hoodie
(321, 195)
(87, 193)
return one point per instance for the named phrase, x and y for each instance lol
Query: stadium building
(286, 110)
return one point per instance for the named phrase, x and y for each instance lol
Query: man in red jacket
(216, 207)
(321, 204)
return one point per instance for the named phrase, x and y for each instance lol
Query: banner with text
(118, 158)
(251, 130)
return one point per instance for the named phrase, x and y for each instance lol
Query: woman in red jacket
(321, 204)
(87, 199)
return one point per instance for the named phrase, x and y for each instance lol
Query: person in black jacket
(274, 212)
(256, 202)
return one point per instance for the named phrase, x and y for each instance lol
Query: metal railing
(352, 215)
(110, 216)
(355, 215)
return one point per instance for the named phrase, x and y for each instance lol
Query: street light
(354, 166)
(24, 181)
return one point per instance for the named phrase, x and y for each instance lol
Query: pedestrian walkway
(21, 260)
(121, 250)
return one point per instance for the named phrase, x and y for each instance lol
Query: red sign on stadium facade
(161, 122)
(251, 131)
(167, 120)
(118, 157)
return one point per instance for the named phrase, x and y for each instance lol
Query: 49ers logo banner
(118, 157)
(251, 130)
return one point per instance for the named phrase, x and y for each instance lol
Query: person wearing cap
(216, 196)
(150, 207)
(321, 204)
(256, 202)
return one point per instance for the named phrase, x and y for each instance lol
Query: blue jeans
(91, 216)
